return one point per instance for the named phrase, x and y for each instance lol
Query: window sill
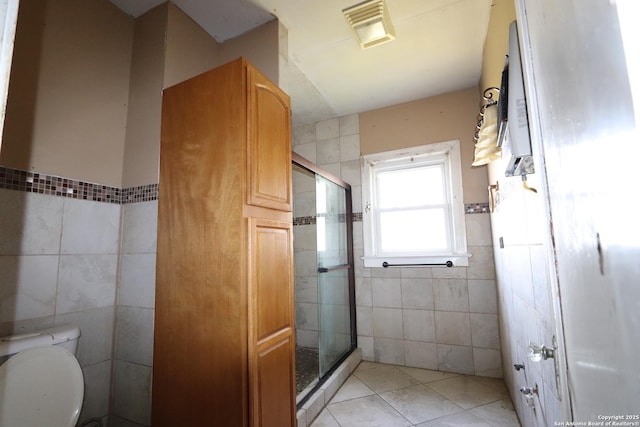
(460, 260)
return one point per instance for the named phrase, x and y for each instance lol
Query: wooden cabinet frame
(224, 323)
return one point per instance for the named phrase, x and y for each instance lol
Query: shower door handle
(328, 269)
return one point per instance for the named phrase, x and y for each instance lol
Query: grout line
(374, 365)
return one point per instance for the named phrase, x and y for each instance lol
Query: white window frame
(450, 152)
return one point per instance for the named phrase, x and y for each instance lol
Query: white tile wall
(27, 287)
(386, 292)
(58, 258)
(389, 350)
(418, 317)
(306, 289)
(350, 172)
(85, 282)
(387, 323)
(327, 129)
(524, 303)
(135, 313)
(139, 227)
(350, 147)
(451, 295)
(487, 362)
(134, 335)
(132, 397)
(350, 125)
(81, 219)
(417, 293)
(482, 296)
(305, 257)
(305, 238)
(421, 354)
(97, 380)
(307, 316)
(364, 293)
(304, 263)
(453, 328)
(308, 151)
(96, 342)
(484, 330)
(364, 321)
(419, 325)
(137, 280)
(31, 223)
(481, 265)
(328, 151)
(455, 358)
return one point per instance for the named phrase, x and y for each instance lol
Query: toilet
(41, 381)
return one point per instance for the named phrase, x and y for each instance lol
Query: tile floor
(379, 395)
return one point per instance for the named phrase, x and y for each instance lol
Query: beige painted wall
(187, 51)
(190, 50)
(85, 91)
(503, 12)
(169, 47)
(142, 149)
(67, 104)
(259, 46)
(436, 119)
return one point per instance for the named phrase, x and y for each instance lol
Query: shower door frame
(310, 166)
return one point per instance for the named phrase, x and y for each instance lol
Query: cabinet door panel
(271, 277)
(271, 325)
(269, 144)
(275, 381)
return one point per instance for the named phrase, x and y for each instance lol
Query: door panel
(272, 289)
(590, 160)
(275, 364)
(271, 326)
(269, 145)
(334, 313)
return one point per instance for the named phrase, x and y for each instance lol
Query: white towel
(486, 149)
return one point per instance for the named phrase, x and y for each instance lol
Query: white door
(591, 149)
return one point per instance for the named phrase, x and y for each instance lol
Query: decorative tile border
(471, 208)
(311, 220)
(304, 220)
(142, 193)
(476, 208)
(33, 182)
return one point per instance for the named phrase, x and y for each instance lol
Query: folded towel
(486, 149)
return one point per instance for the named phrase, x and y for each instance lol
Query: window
(413, 209)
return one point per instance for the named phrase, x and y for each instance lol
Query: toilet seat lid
(41, 386)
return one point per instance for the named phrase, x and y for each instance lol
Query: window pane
(411, 231)
(417, 186)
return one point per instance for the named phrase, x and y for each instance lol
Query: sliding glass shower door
(333, 273)
(324, 277)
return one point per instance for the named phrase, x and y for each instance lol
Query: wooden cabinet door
(271, 324)
(269, 143)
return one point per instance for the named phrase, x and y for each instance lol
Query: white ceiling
(438, 49)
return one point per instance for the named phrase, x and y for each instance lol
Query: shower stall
(324, 275)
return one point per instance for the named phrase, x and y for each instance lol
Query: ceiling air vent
(370, 23)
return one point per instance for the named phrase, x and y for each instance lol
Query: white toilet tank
(41, 381)
(62, 336)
